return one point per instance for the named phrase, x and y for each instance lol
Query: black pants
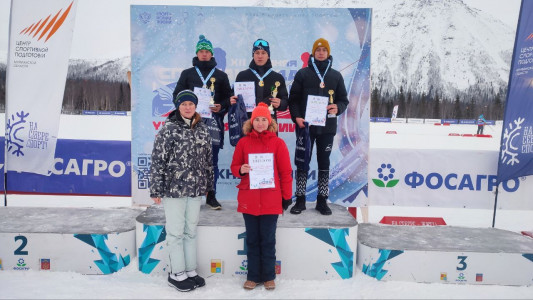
(261, 246)
(480, 129)
(324, 145)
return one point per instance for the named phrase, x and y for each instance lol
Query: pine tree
(374, 103)
(436, 107)
(401, 104)
(457, 108)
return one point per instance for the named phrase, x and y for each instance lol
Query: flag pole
(495, 205)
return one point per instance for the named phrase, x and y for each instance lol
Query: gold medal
(322, 85)
(261, 83)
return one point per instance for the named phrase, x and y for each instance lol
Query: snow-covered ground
(132, 284)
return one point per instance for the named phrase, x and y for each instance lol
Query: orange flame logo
(47, 25)
(530, 37)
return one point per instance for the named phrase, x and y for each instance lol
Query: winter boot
(322, 205)
(181, 282)
(198, 280)
(211, 201)
(299, 206)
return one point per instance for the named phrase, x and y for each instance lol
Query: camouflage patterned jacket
(182, 159)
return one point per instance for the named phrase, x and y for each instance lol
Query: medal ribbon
(257, 74)
(317, 72)
(202, 77)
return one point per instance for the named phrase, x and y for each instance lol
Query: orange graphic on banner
(50, 28)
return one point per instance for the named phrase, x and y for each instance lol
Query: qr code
(143, 174)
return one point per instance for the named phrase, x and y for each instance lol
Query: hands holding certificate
(245, 169)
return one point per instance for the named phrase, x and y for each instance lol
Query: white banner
(442, 178)
(39, 48)
(394, 112)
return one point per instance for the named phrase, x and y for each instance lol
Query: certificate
(261, 170)
(204, 96)
(247, 90)
(315, 113)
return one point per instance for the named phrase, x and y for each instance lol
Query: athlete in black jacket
(317, 79)
(265, 78)
(200, 75)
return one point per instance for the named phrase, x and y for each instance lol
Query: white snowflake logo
(509, 152)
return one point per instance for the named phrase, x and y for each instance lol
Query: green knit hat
(204, 44)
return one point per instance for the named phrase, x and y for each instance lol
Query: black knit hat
(261, 44)
(185, 95)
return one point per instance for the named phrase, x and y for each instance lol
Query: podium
(83, 240)
(308, 246)
(445, 254)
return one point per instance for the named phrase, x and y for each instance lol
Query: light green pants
(182, 216)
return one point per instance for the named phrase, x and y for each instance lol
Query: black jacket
(263, 93)
(189, 79)
(306, 82)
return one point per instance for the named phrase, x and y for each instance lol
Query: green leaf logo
(392, 183)
(378, 182)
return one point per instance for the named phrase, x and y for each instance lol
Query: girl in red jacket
(262, 199)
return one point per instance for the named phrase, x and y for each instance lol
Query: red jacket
(263, 201)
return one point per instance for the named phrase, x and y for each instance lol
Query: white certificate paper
(204, 97)
(315, 113)
(261, 170)
(247, 90)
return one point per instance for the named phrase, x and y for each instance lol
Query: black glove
(286, 203)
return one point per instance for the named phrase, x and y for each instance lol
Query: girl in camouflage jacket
(181, 173)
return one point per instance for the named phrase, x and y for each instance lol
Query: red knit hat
(261, 110)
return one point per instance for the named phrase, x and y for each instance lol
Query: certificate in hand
(315, 113)
(261, 170)
(204, 96)
(247, 90)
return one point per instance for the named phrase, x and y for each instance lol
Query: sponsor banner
(81, 167)
(155, 73)
(469, 122)
(399, 120)
(412, 221)
(383, 120)
(490, 122)
(394, 112)
(450, 121)
(108, 113)
(432, 121)
(516, 150)
(39, 49)
(442, 178)
(415, 121)
(372, 119)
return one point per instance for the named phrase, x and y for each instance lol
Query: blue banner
(516, 149)
(450, 121)
(382, 120)
(81, 167)
(163, 45)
